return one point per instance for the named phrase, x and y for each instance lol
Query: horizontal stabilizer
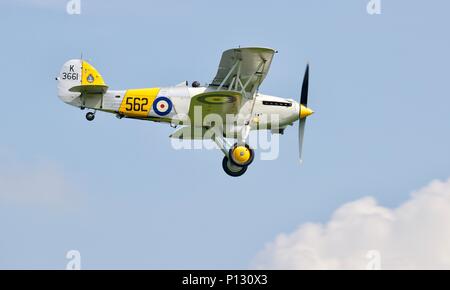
(89, 89)
(79, 77)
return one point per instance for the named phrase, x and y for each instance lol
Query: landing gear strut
(90, 116)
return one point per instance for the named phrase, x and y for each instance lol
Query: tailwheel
(90, 116)
(232, 169)
(241, 155)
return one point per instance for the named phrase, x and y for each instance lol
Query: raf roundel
(162, 106)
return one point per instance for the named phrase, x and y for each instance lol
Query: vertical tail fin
(76, 77)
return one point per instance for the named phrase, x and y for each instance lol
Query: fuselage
(81, 85)
(140, 104)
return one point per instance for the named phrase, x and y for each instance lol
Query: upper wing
(243, 69)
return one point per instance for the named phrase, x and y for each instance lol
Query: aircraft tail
(77, 77)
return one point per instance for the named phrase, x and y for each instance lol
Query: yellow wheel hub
(241, 154)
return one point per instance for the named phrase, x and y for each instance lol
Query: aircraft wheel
(90, 116)
(231, 169)
(241, 155)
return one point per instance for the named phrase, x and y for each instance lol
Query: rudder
(76, 77)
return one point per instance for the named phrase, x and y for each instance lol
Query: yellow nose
(305, 112)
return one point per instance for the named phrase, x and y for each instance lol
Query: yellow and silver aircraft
(231, 104)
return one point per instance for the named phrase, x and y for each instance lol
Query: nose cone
(305, 112)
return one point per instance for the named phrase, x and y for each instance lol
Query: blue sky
(116, 190)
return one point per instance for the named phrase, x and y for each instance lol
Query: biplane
(228, 108)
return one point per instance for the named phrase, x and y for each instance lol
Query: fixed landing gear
(238, 160)
(90, 116)
(238, 157)
(241, 155)
(231, 169)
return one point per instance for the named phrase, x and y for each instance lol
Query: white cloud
(416, 235)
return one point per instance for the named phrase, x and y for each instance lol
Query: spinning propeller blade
(304, 112)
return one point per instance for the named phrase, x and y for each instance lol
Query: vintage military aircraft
(230, 106)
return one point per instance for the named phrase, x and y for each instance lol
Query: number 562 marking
(136, 104)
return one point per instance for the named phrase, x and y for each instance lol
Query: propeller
(305, 88)
(304, 112)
